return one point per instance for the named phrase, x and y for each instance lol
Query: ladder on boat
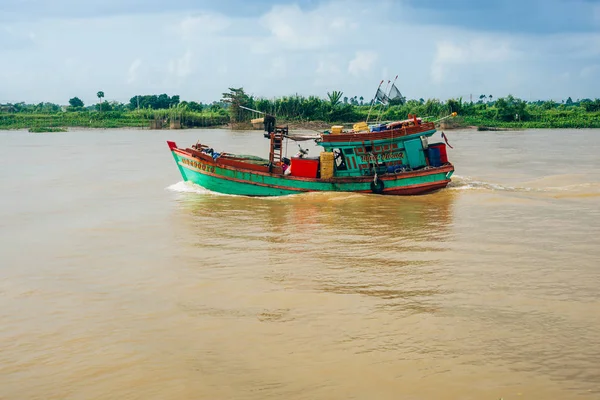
(276, 153)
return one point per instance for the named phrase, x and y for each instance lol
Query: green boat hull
(223, 179)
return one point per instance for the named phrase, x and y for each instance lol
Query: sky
(52, 50)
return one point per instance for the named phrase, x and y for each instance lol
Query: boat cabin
(382, 149)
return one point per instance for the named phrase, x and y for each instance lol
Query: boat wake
(543, 185)
(188, 187)
(459, 183)
(466, 183)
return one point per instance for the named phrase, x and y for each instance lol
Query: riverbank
(143, 119)
(146, 120)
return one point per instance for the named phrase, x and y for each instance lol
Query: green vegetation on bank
(140, 112)
(143, 111)
(45, 129)
(507, 112)
(110, 119)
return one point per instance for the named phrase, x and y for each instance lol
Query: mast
(384, 95)
(388, 96)
(373, 101)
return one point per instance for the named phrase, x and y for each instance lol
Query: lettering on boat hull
(198, 165)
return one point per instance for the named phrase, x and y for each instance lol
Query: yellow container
(336, 129)
(326, 163)
(361, 126)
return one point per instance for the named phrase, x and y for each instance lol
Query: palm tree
(334, 97)
(100, 95)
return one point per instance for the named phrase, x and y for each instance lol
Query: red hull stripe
(413, 189)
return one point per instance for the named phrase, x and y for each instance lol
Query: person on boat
(286, 166)
(301, 152)
(269, 122)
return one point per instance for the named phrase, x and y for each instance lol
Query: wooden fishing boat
(388, 159)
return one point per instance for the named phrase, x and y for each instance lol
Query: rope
(372, 157)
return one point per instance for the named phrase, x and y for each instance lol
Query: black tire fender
(377, 186)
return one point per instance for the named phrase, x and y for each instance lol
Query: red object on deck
(443, 154)
(305, 167)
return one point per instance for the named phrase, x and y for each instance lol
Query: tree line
(335, 107)
(146, 102)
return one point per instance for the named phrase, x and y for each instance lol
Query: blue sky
(51, 50)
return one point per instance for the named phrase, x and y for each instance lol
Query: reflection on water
(361, 244)
(352, 216)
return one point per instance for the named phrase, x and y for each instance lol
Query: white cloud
(328, 67)
(476, 51)
(12, 38)
(362, 62)
(223, 69)
(385, 72)
(202, 25)
(329, 74)
(133, 71)
(293, 28)
(278, 68)
(347, 45)
(589, 71)
(181, 67)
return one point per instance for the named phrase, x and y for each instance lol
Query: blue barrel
(378, 127)
(433, 154)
